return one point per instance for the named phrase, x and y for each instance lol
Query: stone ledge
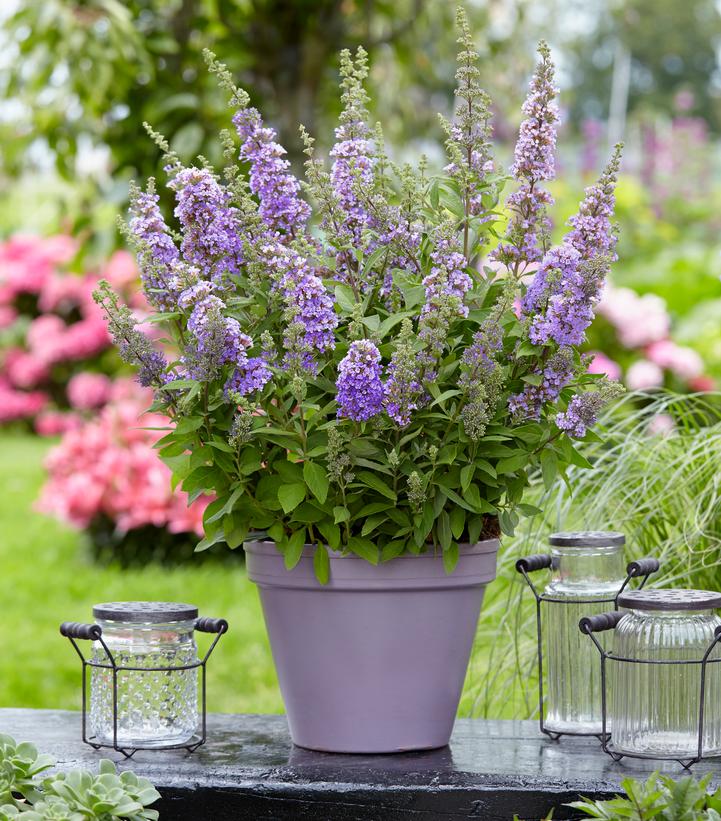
(250, 770)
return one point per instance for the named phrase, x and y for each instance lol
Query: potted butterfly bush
(366, 388)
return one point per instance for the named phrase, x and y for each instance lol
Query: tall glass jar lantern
(662, 675)
(587, 574)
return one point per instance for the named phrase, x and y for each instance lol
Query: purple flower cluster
(592, 232)
(157, 251)
(217, 339)
(252, 376)
(475, 167)
(533, 162)
(555, 375)
(307, 301)
(278, 191)
(359, 386)
(569, 287)
(212, 233)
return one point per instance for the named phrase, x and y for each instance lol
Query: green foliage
(73, 796)
(660, 797)
(282, 460)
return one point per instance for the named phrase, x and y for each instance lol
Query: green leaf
(458, 522)
(345, 298)
(294, 549)
(392, 550)
(467, 476)
(549, 467)
(443, 529)
(376, 483)
(331, 532)
(341, 514)
(321, 564)
(450, 558)
(364, 548)
(290, 496)
(512, 463)
(317, 480)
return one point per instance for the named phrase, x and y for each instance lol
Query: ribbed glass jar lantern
(587, 573)
(654, 707)
(155, 706)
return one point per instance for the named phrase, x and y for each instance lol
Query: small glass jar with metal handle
(587, 573)
(662, 674)
(144, 675)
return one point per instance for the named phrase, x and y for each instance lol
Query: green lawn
(46, 577)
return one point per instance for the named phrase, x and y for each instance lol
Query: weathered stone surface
(250, 770)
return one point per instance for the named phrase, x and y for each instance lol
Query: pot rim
(476, 567)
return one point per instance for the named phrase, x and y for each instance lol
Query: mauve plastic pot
(374, 661)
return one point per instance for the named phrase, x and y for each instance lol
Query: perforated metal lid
(587, 538)
(670, 599)
(148, 612)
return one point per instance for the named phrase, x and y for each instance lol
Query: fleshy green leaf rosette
(378, 373)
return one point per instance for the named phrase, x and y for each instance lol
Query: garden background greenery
(77, 80)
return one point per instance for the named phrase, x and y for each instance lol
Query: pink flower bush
(642, 347)
(53, 330)
(639, 320)
(108, 467)
(644, 375)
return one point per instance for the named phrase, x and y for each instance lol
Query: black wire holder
(75, 631)
(639, 569)
(608, 621)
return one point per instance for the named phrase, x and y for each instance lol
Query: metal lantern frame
(608, 621)
(638, 569)
(78, 631)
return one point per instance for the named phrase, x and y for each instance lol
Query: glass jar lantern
(587, 573)
(144, 675)
(663, 676)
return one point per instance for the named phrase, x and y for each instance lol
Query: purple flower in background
(307, 301)
(533, 163)
(360, 390)
(278, 191)
(156, 250)
(555, 375)
(254, 375)
(592, 230)
(212, 237)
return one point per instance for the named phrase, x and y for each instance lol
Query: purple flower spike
(212, 231)
(281, 206)
(157, 251)
(360, 390)
(533, 163)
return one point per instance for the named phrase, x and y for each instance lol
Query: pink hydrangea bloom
(55, 423)
(24, 370)
(87, 391)
(15, 405)
(603, 364)
(639, 320)
(8, 315)
(108, 467)
(683, 362)
(120, 270)
(644, 375)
